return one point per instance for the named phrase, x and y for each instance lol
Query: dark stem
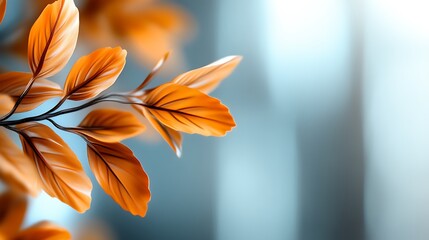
(58, 126)
(21, 97)
(67, 129)
(50, 114)
(59, 104)
(12, 129)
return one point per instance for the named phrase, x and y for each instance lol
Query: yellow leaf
(121, 175)
(12, 212)
(14, 83)
(171, 136)
(188, 110)
(110, 125)
(17, 170)
(53, 38)
(2, 9)
(207, 78)
(61, 173)
(94, 73)
(44, 230)
(6, 104)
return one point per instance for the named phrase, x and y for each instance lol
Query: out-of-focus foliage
(13, 207)
(148, 28)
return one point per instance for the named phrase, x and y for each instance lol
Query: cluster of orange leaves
(47, 163)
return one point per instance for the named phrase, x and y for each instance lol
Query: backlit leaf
(53, 38)
(12, 211)
(2, 9)
(207, 78)
(14, 83)
(17, 170)
(188, 110)
(61, 173)
(44, 230)
(94, 73)
(121, 175)
(171, 136)
(110, 125)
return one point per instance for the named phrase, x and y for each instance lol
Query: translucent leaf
(14, 83)
(121, 175)
(110, 125)
(188, 110)
(94, 73)
(61, 173)
(207, 78)
(171, 136)
(17, 170)
(53, 38)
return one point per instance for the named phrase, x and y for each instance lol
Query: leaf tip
(178, 152)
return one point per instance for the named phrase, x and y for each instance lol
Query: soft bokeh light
(330, 102)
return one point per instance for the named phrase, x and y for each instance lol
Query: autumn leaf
(152, 73)
(14, 83)
(149, 28)
(110, 125)
(188, 110)
(171, 136)
(120, 174)
(44, 230)
(53, 38)
(6, 103)
(153, 30)
(2, 9)
(12, 211)
(61, 173)
(17, 170)
(207, 78)
(94, 73)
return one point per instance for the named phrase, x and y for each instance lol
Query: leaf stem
(21, 97)
(51, 113)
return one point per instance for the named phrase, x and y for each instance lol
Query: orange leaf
(120, 174)
(152, 73)
(188, 110)
(12, 211)
(6, 104)
(61, 173)
(44, 230)
(207, 78)
(2, 9)
(17, 170)
(53, 38)
(14, 83)
(110, 125)
(171, 136)
(150, 28)
(94, 73)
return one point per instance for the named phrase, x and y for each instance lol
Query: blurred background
(331, 102)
